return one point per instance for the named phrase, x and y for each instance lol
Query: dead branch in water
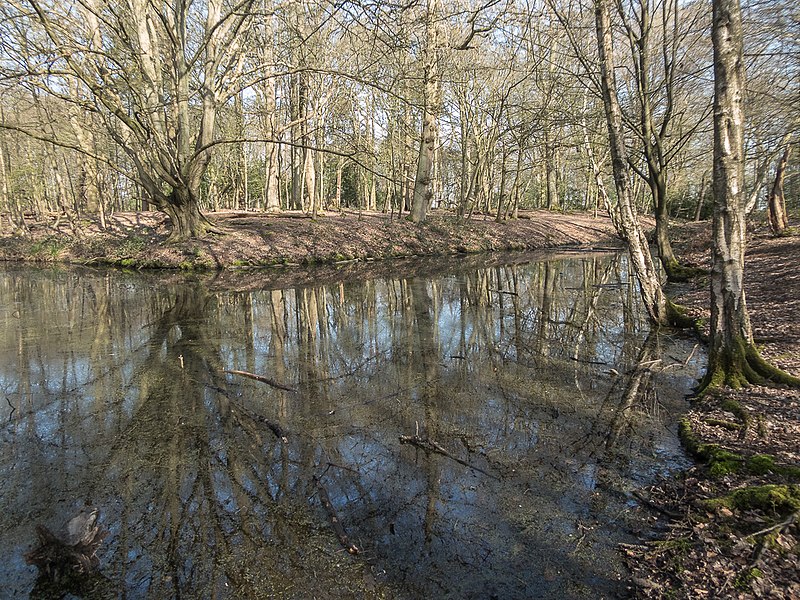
(338, 528)
(262, 379)
(436, 448)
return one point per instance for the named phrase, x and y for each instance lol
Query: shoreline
(137, 240)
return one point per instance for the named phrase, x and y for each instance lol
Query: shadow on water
(530, 397)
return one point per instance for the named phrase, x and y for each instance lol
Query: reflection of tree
(200, 490)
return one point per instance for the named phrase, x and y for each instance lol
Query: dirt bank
(728, 528)
(137, 240)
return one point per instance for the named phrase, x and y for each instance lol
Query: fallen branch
(338, 528)
(262, 379)
(669, 513)
(436, 448)
(779, 526)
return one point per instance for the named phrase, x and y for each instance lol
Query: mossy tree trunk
(733, 357)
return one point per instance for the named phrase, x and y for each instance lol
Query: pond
(459, 431)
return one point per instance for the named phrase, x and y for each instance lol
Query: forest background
(486, 107)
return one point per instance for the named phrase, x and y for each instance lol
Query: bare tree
(733, 359)
(659, 308)
(156, 75)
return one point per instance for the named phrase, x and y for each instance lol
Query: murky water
(535, 396)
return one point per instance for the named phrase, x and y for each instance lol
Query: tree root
(743, 366)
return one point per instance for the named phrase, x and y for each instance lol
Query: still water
(535, 394)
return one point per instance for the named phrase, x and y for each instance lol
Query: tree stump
(74, 553)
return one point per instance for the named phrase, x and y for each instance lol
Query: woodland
(434, 116)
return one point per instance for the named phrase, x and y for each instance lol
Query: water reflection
(537, 380)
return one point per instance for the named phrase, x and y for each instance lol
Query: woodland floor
(136, 240)
(747, 546)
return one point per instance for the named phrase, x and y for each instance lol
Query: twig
(262, 379)
(656, 507)
(432, 446)
(13, 409)
(779, 526)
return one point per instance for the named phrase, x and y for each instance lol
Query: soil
(138, 240)
(704, 541)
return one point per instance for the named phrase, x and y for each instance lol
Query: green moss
(721, 462)
(688, 438)
(772, 499)
(736, 409)
(761, 464)
(746, 577)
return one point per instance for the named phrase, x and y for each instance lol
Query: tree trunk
(701, 197)
(659, 309)
(778, 220)
(423, 183)
(183, 210)
(732, 359)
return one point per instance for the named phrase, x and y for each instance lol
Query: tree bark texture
(778, 219)
(626, 219)
(423, 183)
(733, 359)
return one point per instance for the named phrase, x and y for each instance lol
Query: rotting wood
(74, 553)
(336, 523)
(262, 379)
(431, 446)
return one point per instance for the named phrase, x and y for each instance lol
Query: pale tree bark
(423, 183)
(5, 204)
(654, 37)
(660, 310)
(701, 197)
(271, 194)
(778, 219)
(733, 359)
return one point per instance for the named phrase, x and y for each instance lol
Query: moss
(763, 464)
(677, 273)
(688, 438)
(677, 317)
(770, 498)
(746, 577)
(736, 409)
(762, 427)
(721, 462)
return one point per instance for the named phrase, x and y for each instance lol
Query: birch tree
(733, 359)
(659, 308)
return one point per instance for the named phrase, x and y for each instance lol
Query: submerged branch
(436, 448)
(262, 379)
(336, 523)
